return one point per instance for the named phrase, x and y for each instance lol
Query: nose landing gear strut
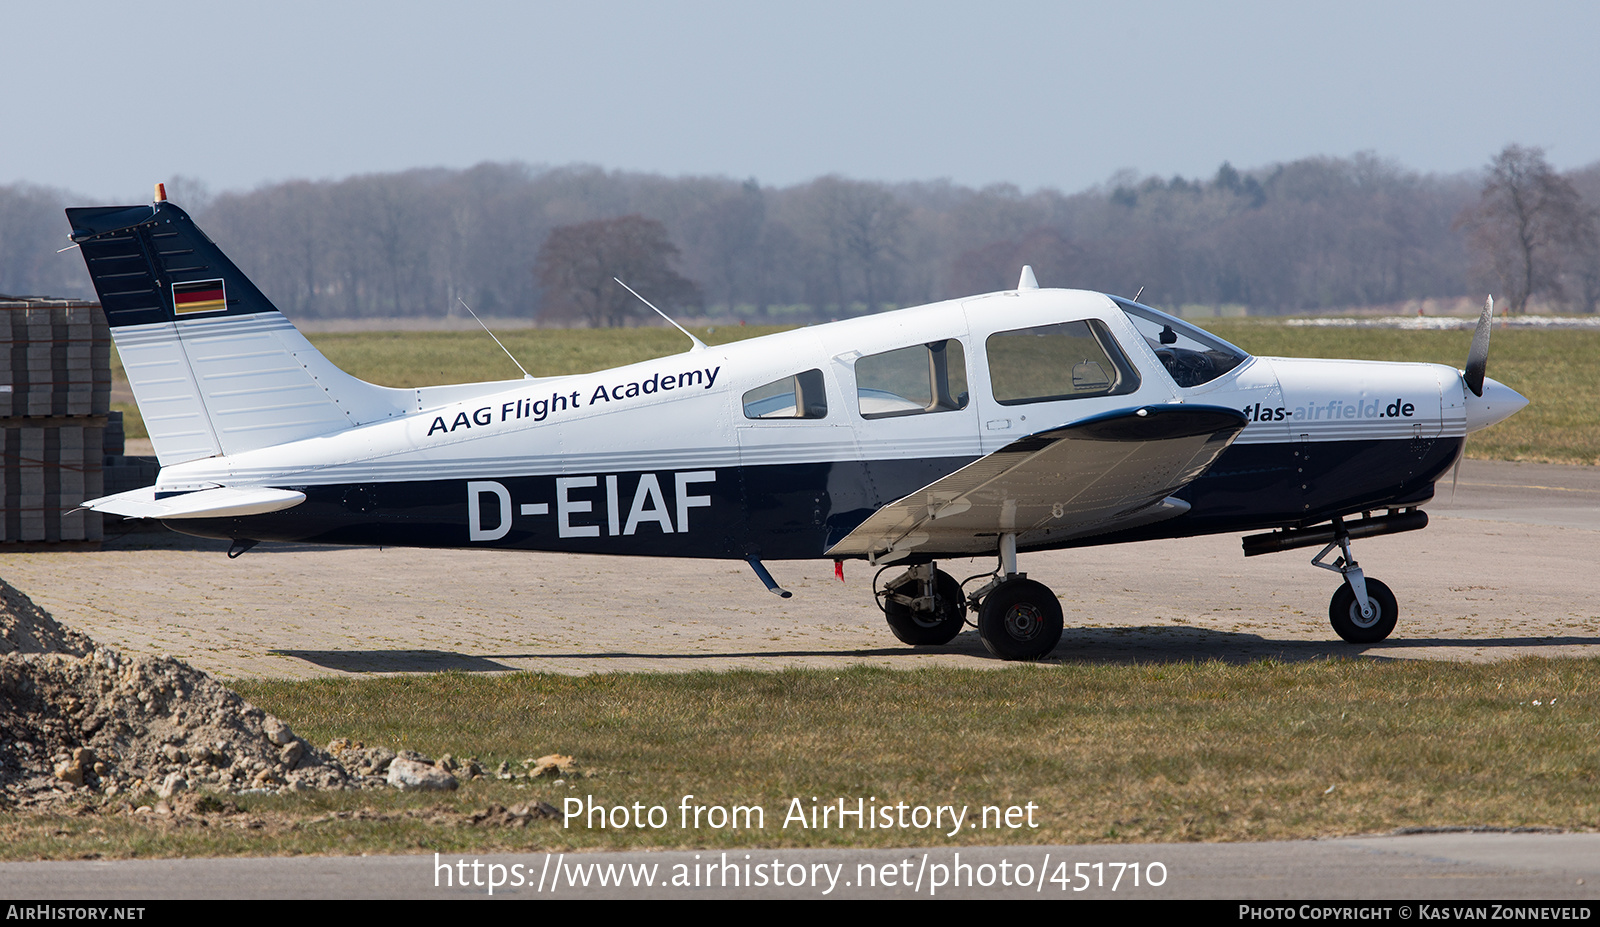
(1362, 611)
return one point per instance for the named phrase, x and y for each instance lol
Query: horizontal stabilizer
(217, 502)
(1102, 474)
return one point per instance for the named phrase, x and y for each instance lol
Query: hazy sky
(106, 98)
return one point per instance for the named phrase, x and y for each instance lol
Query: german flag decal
(198, 296)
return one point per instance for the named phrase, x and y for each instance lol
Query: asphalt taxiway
(1452, 869)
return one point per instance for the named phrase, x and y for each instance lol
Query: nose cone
(1498, 403)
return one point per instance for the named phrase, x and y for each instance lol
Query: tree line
(1311, 234)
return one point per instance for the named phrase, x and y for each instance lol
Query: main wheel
(1345, 613)
(939, 626)
(1021, 620)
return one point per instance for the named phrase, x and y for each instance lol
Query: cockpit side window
(1067, 360)
(915, 380)
(1191, 355)
(800, 396)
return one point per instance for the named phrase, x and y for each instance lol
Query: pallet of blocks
(55, 403)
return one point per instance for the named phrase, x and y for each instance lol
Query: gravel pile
(27, 628)
(77, 717)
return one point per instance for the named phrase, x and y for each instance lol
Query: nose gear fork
(1347, 567)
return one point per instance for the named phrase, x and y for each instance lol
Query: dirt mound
(75, 716)
(27, 628)
(117, 724)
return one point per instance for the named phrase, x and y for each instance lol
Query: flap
(1101, 474)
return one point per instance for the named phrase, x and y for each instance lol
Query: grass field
(1556, 370)
(1104, 753)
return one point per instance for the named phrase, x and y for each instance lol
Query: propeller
(1478, 356)
(1472, 376)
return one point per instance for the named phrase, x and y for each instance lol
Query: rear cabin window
(916, 380)
(800, 396)
(1067, 360)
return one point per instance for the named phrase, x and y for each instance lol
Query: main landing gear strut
(1018, 618)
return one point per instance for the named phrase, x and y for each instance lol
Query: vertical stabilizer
(214, 366)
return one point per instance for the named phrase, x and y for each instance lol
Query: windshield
(1191, 355)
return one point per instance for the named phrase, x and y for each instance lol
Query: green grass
(437, 358)
(1556, 370)
(1106, 753)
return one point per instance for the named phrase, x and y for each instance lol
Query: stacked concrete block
(55, 400)
(122, 473)
(55, 357)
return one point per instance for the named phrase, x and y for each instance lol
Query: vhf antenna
(698, 344)
(525, 374)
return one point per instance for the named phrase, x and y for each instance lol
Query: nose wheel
(1358, 627)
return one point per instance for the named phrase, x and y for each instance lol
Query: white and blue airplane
(1030, 419)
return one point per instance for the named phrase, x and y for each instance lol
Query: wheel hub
(1023, 621)
(1361, 620)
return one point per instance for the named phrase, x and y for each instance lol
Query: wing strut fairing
(1105, 473)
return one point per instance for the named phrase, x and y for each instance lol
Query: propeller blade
(1478, 356)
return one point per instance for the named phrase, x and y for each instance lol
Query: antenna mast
(525, 374)
(698, 344)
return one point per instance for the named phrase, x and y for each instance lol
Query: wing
(1101, 474)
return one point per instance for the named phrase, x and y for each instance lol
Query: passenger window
(923, 378)
(1068, 360)
(800, 396)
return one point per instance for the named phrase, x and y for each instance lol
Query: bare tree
(727, 230)
(1315, 233)
(1527, 223)
(1583, 268)
(576, 264)
(858, 228)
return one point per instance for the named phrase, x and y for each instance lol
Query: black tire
(1021, 620)
(1345, 613)
(929, 629)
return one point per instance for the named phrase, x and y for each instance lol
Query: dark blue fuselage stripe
(798, 511)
